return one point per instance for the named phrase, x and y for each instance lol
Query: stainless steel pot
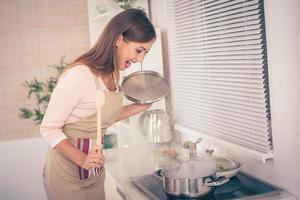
(155, 124)
(196, 179)
(191, 187)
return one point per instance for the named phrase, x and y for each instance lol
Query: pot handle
(216, 182)
(158, 174)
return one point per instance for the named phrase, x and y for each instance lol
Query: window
(219, 70)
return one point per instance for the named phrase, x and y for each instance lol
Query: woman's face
(131, 52)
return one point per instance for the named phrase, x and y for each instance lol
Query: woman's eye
(138, 51)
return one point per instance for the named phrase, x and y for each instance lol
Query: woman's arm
(132, 109)
(65, 97)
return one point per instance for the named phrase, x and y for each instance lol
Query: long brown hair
(133, 24)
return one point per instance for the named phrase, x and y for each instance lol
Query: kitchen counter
(134, 157)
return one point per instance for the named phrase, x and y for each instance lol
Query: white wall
(21, 169)
(283, 44)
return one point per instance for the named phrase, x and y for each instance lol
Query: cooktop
(239, 187)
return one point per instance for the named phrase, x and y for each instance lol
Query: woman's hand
(94, 158)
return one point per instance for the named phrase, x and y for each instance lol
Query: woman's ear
(119, 40)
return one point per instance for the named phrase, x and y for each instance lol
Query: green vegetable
(187, 144)
(220, 167)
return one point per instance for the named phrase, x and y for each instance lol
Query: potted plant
(41, 92)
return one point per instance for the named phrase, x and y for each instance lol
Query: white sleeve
(65, 97)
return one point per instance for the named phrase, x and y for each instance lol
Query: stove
(239, 187)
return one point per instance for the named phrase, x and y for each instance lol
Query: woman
(74, 164)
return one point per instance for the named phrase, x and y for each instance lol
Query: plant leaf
(51, 83)
(45, 98)
(25, 113)
(39, 115)
(61, 66)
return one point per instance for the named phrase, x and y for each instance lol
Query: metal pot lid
(145, 87)
(203, 166)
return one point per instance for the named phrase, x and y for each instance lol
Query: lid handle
(193, 148)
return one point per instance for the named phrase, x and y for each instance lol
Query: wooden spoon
(100, 99)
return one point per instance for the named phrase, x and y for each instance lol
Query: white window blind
(218, 67)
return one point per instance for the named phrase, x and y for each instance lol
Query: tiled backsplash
(33, 35)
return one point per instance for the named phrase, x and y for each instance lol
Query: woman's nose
(140, 57)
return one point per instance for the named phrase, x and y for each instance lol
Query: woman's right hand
(94, 158)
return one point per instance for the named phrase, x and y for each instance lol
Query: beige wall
(33, 35)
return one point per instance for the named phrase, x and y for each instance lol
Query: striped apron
(63, 179)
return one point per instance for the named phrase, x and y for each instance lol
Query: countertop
(135, 156)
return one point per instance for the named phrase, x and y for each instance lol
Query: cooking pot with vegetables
(191, 178)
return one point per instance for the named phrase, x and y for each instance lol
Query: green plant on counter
(41, 92)
(127, 4)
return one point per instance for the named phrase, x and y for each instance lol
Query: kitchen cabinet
(112, 192)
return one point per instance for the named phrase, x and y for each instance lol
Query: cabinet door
(111, 190)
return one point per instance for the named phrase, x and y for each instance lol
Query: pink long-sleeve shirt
(72, 99)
